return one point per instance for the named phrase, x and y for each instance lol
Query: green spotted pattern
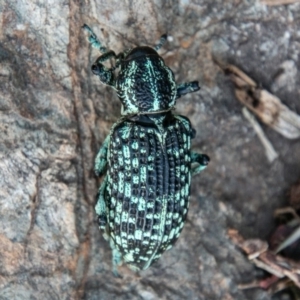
(147, 189)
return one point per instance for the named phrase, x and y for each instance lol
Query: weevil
(146, 159)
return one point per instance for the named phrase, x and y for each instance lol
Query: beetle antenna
(161, 41)
(93, 39)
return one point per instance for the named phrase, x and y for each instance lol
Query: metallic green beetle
(147, 160)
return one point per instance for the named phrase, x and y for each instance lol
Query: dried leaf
(289, 241)
(265, 105)
(279, 2)
(295, 196)
(266, 259)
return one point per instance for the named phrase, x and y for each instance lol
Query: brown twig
(269, 149)
(279, 2)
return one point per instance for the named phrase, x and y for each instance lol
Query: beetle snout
(105, 75)
(95, 69)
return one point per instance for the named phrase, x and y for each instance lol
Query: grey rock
(54, 114)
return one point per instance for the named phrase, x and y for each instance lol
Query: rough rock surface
(54, 114)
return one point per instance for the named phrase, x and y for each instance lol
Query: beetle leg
(107, 55)
(101, 158)
(120, 57)
(161, 41)
(116, 258)
(201, 159)
(193, 133)
(187, 87)
(100, 208)
(111, 54)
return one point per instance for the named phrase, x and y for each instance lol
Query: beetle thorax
(145, 83)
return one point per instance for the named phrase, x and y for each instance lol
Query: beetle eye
(95, 69)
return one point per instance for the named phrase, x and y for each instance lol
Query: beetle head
(145, 83)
